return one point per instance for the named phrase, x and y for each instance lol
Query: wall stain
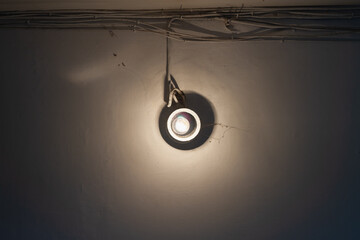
(112, 34)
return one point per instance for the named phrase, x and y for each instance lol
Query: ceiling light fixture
(187, 120)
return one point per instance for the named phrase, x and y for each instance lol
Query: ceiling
(156, 4)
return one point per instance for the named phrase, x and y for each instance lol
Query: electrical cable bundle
(205, 24)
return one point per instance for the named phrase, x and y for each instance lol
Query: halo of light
(183, 124)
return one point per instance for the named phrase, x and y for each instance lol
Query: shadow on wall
(198, 104)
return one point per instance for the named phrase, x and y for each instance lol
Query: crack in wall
(227, 128)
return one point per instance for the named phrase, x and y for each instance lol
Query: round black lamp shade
(187, 127)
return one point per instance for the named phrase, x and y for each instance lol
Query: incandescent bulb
(181, 125)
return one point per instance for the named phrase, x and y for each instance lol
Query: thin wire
(167, 58)
(173, 88)
(171, 85)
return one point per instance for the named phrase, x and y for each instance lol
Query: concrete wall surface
(82, 156)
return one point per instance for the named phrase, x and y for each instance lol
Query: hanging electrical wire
(205, 24)
(175, 94)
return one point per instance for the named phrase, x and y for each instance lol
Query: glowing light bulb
(181, 125)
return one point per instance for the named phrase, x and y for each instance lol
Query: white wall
(82, 157)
